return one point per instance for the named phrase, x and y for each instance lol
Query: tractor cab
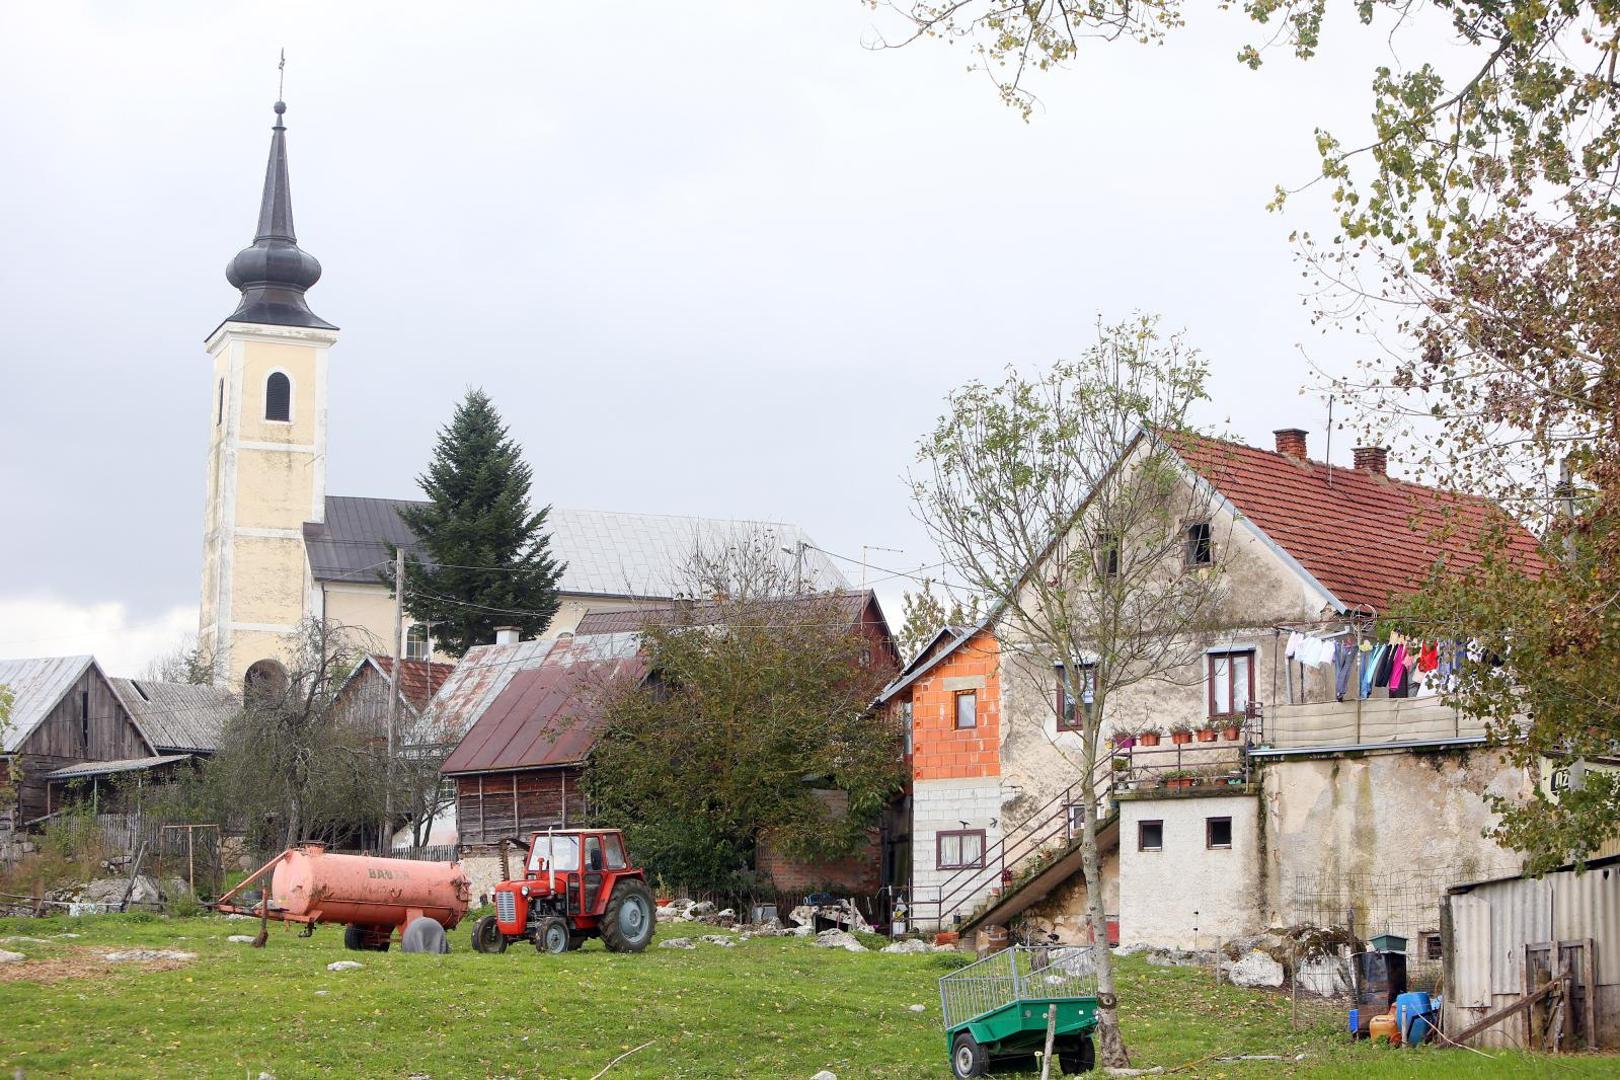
(577, 884)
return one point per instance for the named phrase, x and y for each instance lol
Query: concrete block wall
(941, 806)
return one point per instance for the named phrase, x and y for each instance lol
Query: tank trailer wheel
(551, 936)
(968, 1058)
(487, 937)
(1077, 1056)
(627, 921)
(358, 938)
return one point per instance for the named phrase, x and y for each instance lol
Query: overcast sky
(712, 259)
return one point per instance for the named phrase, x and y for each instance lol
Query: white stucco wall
(942, 805)
(1187, 894)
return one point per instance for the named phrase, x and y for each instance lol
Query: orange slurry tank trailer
(371, 897)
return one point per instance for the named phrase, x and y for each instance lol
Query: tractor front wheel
(627, 922)
(487, 937)
(968, 1058)
(551, 936)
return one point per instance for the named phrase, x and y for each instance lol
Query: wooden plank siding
(89, 723)
(493, 806)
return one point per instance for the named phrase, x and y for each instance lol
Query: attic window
(1199, 552)
(278, 397)
(417, 645)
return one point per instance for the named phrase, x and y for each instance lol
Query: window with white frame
(418, 642)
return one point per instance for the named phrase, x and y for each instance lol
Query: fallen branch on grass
(620, 1058)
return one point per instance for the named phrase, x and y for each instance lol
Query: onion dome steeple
(274, 272)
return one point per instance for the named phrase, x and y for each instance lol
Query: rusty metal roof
(477, 681)
(178, 716)
(419, 680)
(36, 686)
(547, 715)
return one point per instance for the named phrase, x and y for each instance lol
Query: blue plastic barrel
(1414, 1016)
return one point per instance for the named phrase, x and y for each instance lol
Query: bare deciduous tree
(1060, 498)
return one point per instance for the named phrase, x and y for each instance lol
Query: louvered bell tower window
(278, 397)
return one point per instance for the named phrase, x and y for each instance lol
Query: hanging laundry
(1344, 658)
(1294, 641)
(1429, 656)
(1386, 654)
(1397, 672)
(1371, 661)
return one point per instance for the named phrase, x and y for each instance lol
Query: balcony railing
(1361, 722)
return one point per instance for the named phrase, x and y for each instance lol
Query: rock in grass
(839, 939)
(917, 1008)
(721, 940)
(344, 965)
(910, 945)
(677, 943)
(8, 957)
(241, 939)
(18, 939)
(139, 955)
(825, 1074)
(1255, 969)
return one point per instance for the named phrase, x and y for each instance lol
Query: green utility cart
(996, 1008)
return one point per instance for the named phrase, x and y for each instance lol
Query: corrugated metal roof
(178, 716)
(606, 554)
(477, 680)
(547, 715)
(87, 769)
(36, 686)
(853, 605)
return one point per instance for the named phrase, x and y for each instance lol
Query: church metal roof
(606, 553)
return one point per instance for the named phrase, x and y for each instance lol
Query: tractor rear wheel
(627, 921)
(968, 1058)
(487, 937)
(551, 936)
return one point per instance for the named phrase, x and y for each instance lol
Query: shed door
(1471, 952)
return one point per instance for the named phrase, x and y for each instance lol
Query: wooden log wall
(493, 806)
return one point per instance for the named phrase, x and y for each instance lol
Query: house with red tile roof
(1294, 795)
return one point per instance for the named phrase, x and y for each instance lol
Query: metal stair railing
(1051, 821)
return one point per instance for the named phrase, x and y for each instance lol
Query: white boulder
(839, 939)
(1255, 968)
(9, 957)
(677, 943)
(344, 965)
(910, 945)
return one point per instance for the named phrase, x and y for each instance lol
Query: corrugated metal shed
(606, 554)
(1491, 922)
(36, 686)
(545, 715)
(178, 716)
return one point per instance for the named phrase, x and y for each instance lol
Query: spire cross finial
(281, 77)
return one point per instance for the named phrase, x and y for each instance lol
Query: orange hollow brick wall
(940, 750)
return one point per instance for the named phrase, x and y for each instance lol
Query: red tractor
(576, 884)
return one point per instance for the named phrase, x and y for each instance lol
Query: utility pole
(386, 844)
(797, 551)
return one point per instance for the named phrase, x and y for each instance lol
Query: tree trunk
(1110, 1044)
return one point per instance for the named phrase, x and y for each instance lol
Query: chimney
(1373, 459)
(508, 635)
(1291, 442)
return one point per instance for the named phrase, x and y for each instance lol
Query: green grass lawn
(767, 1008)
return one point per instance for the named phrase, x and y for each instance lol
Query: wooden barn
(66, 715)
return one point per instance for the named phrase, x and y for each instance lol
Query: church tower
(267, 443)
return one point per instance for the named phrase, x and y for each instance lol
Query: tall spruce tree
(489, 558)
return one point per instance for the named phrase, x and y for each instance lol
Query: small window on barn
(84, 718)
(1429, 945)
(278, 397)
(1150, 836)
(1218, 832)
(1199, 552)
(967, 709)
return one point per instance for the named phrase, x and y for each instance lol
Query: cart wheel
(487, 937)
(1078, 1055)
(968, 1058)
(354, 938)
(551, 936)
(364, 939)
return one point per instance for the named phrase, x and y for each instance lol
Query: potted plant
(1124, 738)
(1121, 764)
(1181, 734)
(1180, 779)
(1149, 736)
(1232, 729)
(1209, 732)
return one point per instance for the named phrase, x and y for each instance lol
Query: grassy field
(766, 1008)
